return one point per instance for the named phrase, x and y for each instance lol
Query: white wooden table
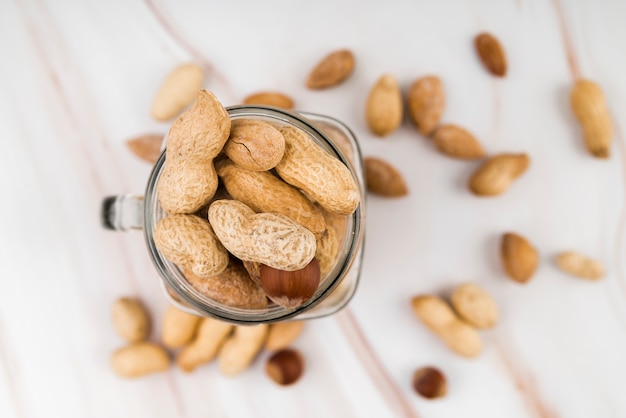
(76, 81)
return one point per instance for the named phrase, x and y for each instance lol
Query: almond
(426, 101)
(384, 179)
(270, 98)
(383, 111)
(519, 257)
(589, 106)
(580, 266)
(496, 174)
(146, 147)
(332, 70)
(491, 54)
(456, 142)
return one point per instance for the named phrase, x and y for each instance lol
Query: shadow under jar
(124, 212)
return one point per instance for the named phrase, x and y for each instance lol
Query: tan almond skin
(232, 287)
(188, 180)
(590, 108)
(139, 359)
(241, 348)
(519, 258)
(283, 334)
(437, 315)
(211, 335)
(178, 327)
(254, 145)
(268, 238)
(321, 176)
(177, 91)
(334, 69)
(497, 174)
(580, 265)
(491, 54)
(384, 179)
(475, 306)
(384, 108)
(190, 242)
(264, 192)
(425, 103)
(456, 142)
(131, 320)
(146, 147)
(270, 98)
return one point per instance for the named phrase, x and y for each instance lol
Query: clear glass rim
(197, 301)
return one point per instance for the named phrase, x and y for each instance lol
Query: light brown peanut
(190, 242)
(425, 102)
(384, 108)
(178, 327)
(211, 334)
(232, 287)
(254, 145)
(188, 180)
(475, 306)
(497, 174)
(131, 320)
(241, 348)
(283, 334)
(589, 106)
(268, 238)
(579, 265)
(139, 359)
(327, 251)
(177, 91)
(437, 315)
(264, 192)
(323, 177)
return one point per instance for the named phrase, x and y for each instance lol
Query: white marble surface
(76, 81)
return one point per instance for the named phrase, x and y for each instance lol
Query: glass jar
(125, 212)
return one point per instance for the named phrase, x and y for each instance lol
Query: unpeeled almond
(383, 178)
(496, 174)
(491, 54)
(383, 112)
(270, 98)
(146, 147)
(456, 142)
(519, 257)
(332, 70)
(425, 102)
(589, 106)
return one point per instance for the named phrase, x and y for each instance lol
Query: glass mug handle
(122, 212)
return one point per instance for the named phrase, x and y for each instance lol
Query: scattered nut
(475, 306)
(177, 91)
(383, 111)
(579, 265)
(131, 320)
(241, 348)
(285, 367)
(290, 289)
(519, 257)
(146, 147)
(590, 108)
(437, 315)
(283, 334)
(268, 98)
(496, 174)
(491, 54)
(430, 383)
(211, 334)
(139, 359)
(332, 70)
(178, 327)
(425, 102)
(254, 145)
(384, 179)
(456, 142)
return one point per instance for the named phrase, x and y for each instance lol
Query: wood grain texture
(78, 82)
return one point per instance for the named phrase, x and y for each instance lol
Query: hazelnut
(285, 366)
(290, 289)
(430, 383)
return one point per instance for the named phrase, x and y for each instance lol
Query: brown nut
(384, 179)
(332, 70)
(241, 348)
(131, 320)
(591, 110)
(519, 257)
(491, 54)
(425, 102)
(497, 174)
(285, 367)
(254, 145)
(430, 383)
(139, 359)
(146, 147)
(475, 306)
(178, 327)
(384, 108)
(456, 142)
(270, 98)
(177, 91)
(290, 289)
(211, 334)
(283, 334)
